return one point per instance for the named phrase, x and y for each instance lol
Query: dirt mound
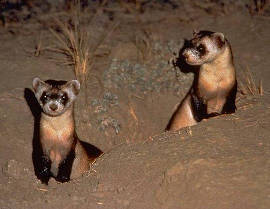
(221, 163)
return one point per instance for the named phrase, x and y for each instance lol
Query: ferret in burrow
(64, 156)
(214, 88)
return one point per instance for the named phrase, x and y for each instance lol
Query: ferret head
(204, 47)
(55, 97)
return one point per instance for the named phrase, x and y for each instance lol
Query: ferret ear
(220, 35)
(220, 39)
(195, 32)
(74, 85)
(37, 83)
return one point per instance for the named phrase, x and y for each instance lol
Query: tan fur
(81, 162)
(57, 138)
(184, 116)
(215, 81)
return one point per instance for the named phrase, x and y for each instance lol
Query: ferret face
(204, 47)
(55, 97)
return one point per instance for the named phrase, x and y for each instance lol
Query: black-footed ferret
(64, 157)
(214, 88)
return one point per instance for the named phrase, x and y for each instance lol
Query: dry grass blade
(247, 84)
(261, 88)
(63, 47)
(144, 44)
(38, 46)
(133, 114)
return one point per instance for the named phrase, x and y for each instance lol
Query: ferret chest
(56, 134)
(208, 85)
(213, 81)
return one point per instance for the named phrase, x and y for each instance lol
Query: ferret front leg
(44, 171)
(65, 168)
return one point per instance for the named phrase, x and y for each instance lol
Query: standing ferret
(63, 155)
(214, 88)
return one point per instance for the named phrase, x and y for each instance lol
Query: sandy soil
(221, 163)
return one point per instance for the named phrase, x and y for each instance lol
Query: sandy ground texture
(221, 163)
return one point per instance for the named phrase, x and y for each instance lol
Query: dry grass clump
(258, 7)
(75, 41)
(144, 42)
(248, 84)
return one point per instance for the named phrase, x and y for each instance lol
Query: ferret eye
(63, 97)
(44, 98)
(200, 48)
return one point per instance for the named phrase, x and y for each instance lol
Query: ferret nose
(53, 107)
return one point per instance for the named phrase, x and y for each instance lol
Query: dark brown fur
(214, 88)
